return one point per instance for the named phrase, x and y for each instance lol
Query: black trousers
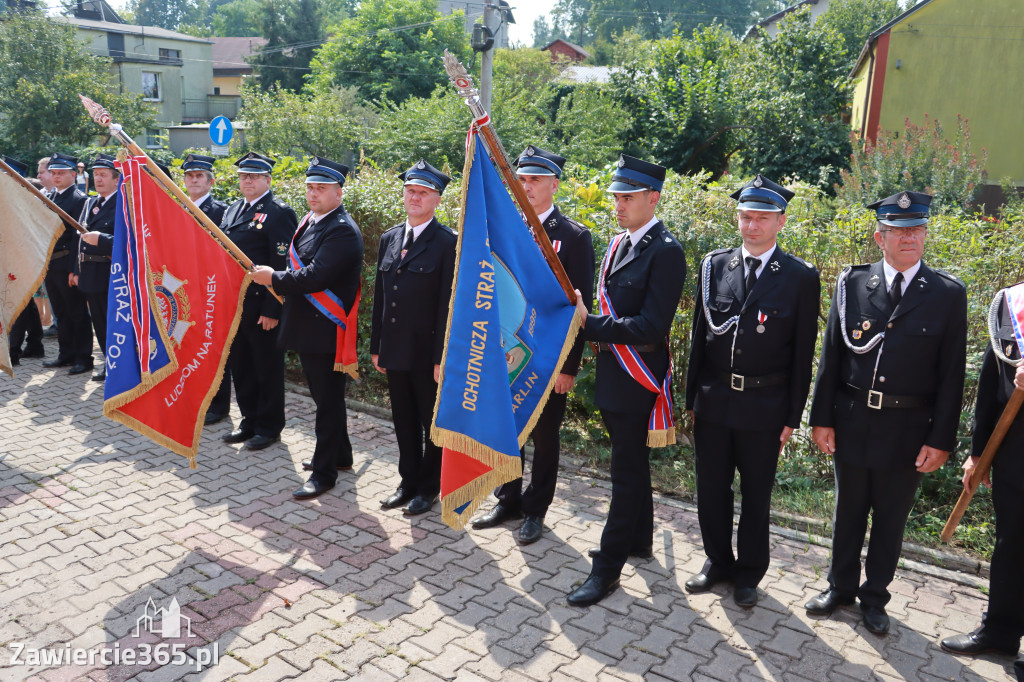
(412, 406)
(26, 328)
(544, 469)
(257, 370)
(98, 312)
(74, 330)
(1005, 618)
(630, 524)
(720, 453)
(221, 403)
(888, 494)
(333, 448)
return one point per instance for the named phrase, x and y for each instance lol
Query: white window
(153, 138)
(151, 87)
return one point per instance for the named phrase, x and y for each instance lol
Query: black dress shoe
(498, 515)
(978, 642)
(642, 553)
(395, 499)
(79, 368)
(827, 602)
(214, 418)
(15, 361)
(745, 597)
(57, 362)
(34, 353)
(875, 619)
(420, 505)
(702, 582)
(99, 376)
(532, 529)
(258, 442)
(307, 464)
(593, 590)
(311, 489)
(50, 332)
(237, 436)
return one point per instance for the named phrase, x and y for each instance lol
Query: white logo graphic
(164, 622)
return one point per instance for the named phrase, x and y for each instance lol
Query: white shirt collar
(908, 274)
(638, 234)
(200, 200)
(417, 230)
(257, 199)
(764, 258)
(544, 216)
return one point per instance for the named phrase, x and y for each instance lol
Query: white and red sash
(661, 427)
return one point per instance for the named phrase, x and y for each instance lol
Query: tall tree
(294, 31)
(855, 20)
(390, 49)
(170, 14)
(43, 68)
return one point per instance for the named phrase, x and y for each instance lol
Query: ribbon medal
(258, 219)
(761, 319)
(556, 244)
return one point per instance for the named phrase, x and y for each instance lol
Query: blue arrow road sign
(221, 130)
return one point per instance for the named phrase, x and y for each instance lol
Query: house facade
(946, 58)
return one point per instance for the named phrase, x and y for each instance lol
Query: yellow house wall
(961, 57)
(228, 84)
(862, 82)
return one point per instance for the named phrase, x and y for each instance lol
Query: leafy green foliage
(294, 30)
(43, 69)
(855, 20)
(390, 49)
(921, 158)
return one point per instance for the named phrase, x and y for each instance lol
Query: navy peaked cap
(537, 161)
(324, 171)
(634, 175)
(18, 167)
(63, 162)
(425, 175)
(198, 162)
(903, 209)
(761, 194)
(104, 161)
(255, 163)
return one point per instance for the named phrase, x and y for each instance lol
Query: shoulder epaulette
(951, 277)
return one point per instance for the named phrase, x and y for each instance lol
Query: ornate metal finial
(96, 111)
(458, 75)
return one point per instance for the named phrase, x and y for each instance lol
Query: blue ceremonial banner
(509, 330)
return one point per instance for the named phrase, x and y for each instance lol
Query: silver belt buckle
(736, 382)
(875, 400)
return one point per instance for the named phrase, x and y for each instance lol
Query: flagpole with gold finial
(101, 116)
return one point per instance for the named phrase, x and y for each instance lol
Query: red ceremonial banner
(195, 292)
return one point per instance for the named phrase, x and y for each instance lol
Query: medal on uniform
(95, 210)
(556, 244)
(1009, 350)
(856, 334)
(761, 319)
(866, 325)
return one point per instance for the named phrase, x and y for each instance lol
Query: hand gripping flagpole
(482, 121)
(42, 197)
(102, 117)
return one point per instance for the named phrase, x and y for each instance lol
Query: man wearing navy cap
(326, 261)
(887, 399)
(92, 265)
(199, 181)
(539, 172)
(412, 295)
(640, 283)
(27, 327)
(754, 329)
(261, 226)
(74, 330)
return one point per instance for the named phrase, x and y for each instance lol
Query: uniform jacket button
(392, 320)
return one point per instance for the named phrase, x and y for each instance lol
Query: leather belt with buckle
(876, 400)
(738, 382)
(94, 258)
(649, 348)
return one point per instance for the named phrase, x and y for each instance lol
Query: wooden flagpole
(42, 197)
(981, 469)
(102, 117)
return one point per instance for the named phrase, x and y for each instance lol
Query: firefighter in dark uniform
(887, 399)
(27, 328)
(92, 266)
(643, 280)
(412, 295)
(199, 181)
(74, 330)
(1001, 373)
(539, 172)
(261, 226)
(755, 324)
(329, 248)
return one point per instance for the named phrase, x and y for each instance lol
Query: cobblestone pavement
(96, 520)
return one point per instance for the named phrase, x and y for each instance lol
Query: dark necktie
(245, 207)
(896, 291)
(408, 240)
(752, 265)
(622, 251)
